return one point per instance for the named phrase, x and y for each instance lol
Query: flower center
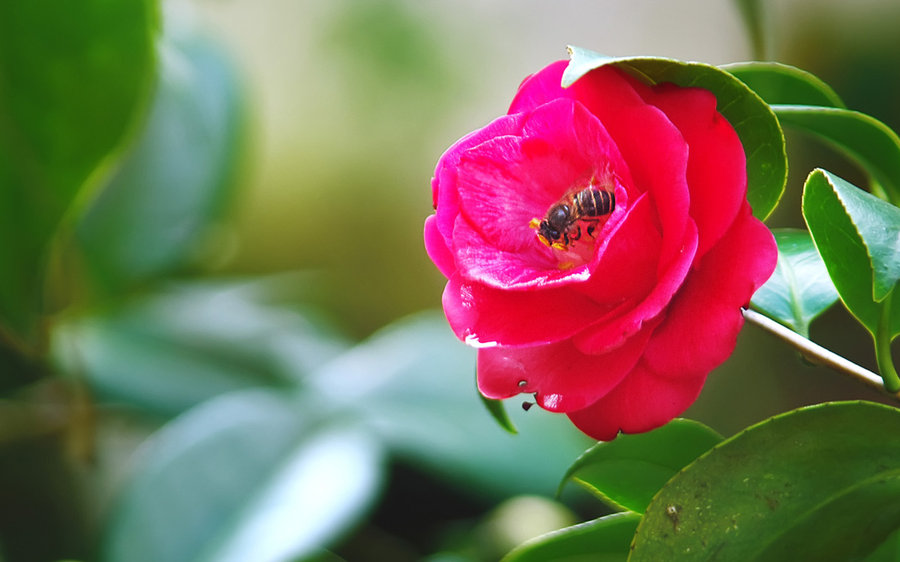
(571, 224)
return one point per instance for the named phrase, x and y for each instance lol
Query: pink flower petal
(699, 332)
(652, 147)
(563, 378)
(539, 88)
(627, 263)
(704, 318)
(641, 402)
(716, 169)
(443, 184)
(532, 267)
(437, 248)
(610, 333)
(482, 315)
(508, 181)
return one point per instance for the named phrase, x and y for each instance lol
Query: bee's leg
(591, 228)
(575, 234)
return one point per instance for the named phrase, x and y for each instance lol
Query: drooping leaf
(800, 288)
(858, 237)
(778, 83)
(411, 383)
(176, 180)
(247, 476)
(868, 141)
(498, 411)
(817, 483)
(74, 77)
(606, 538)
(750, 116)
(628, 471)
(166, 352)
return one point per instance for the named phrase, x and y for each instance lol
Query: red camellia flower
(598, 246)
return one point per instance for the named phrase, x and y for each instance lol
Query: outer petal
(704, 319)
(563, 378)
(539, 88)
(643, 401)
(482, 315)
(610, 333)
(698, 334)
(716, 169)
(437, 248)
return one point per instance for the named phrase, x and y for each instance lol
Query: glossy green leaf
(175, 182)
(817, 483)
(498, 411)
(778, 83)
(411, 383)
(868, 141)
(247, 476)
(858, 237)
(73, 79)
(750, 116)
(168, 351)
(629, 470)
(605, 539)
(800, 288)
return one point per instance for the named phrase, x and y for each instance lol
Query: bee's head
(547, 234)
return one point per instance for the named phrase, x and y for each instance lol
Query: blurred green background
(238, 354)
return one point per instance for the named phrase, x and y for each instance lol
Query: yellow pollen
(534, 223)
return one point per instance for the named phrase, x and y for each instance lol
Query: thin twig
(816, 353)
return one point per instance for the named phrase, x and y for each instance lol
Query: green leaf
(800, 289)
(73, 78)
(778, 83)
(750, 116)
(176, 181)
(629, 470)
(605, 539)
(244, 477)
(889, 551)
(871, 143)
(498, 412)
(169, 351)
(817, 483)
(411, 383)
(858, 237)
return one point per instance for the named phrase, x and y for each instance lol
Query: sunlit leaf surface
(604, 539)
(800, 288)
(818, 483)
(629, 470)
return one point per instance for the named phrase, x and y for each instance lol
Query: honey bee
(562, 224)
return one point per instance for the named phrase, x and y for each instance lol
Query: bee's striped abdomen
(591, 203)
